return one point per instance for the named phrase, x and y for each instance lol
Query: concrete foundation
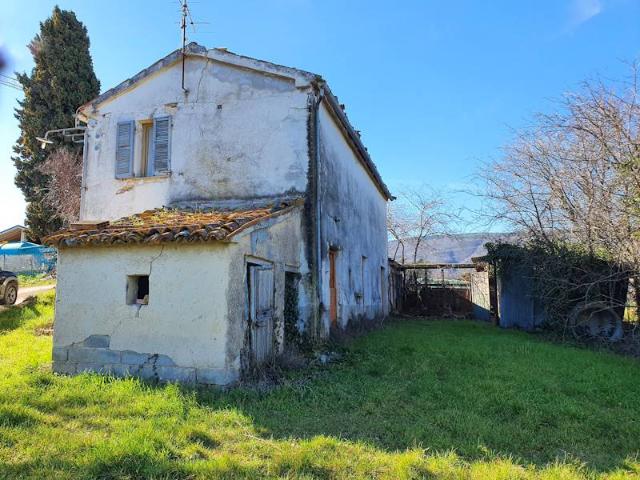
(79, 358)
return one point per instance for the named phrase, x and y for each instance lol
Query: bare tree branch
(417, 214)
(64, 167)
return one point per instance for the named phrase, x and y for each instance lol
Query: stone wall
(94, 355)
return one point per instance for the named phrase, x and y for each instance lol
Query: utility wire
(10, 85)
(10, 79)
(11, 82)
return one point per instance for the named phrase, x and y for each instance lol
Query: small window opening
(138, 290)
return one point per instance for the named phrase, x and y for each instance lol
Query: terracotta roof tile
(166, 225)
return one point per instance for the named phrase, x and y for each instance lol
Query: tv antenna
(186, 19)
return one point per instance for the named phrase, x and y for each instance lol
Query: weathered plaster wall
(353, 213)
(194, 327)
(181, 334)
(237, 134)
(278, 242)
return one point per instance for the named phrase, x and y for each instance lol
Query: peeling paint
(254, 146)
(91, 300)
(351, 205)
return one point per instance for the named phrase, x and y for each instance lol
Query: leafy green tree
(61, 81)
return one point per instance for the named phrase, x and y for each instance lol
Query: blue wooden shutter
(161, 144)
(124, 149)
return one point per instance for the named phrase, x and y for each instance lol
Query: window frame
(146, 160)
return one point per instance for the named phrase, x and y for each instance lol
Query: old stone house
(228, 207)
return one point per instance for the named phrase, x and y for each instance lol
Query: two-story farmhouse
(228, 206)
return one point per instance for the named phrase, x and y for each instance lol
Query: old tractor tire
(10, 293)
(597, 320)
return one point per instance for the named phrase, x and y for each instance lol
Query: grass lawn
(417, 399)
(35, 280)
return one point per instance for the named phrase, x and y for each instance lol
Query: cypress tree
(61, 81)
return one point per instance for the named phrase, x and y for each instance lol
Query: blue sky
(435, 86)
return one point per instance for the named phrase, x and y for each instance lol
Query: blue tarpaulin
(27, 257)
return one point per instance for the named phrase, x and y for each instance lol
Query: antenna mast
(183, 27)
(186, 19)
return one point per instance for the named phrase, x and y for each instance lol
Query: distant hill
(447, 248)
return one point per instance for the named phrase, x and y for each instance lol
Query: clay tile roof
(165, 225)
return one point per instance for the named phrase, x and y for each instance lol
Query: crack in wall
(204, 69)
(119, 324)
(151, 361)
(155, 258)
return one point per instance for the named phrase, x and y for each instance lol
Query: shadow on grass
(13, 317)
(437, 385)
(114, 467)
(458, 386)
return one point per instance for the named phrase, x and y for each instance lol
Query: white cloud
(581, 11)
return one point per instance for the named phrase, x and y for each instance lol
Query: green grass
(35, 280)
(417, 399)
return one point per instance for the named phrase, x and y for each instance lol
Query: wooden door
(261, 313)
(333, 289)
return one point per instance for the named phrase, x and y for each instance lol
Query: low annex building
(225, 212)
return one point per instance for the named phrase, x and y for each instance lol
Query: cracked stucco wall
(185, 320)
(193, 329)
(277, 242)
(354, 223)
(237, 134)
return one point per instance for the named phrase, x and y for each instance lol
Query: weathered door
(333, 289)
(261, 313)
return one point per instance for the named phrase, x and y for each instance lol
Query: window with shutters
(154, 151)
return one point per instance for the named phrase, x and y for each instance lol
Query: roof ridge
(196, 49)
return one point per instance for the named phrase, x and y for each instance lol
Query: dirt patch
(46, 330)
